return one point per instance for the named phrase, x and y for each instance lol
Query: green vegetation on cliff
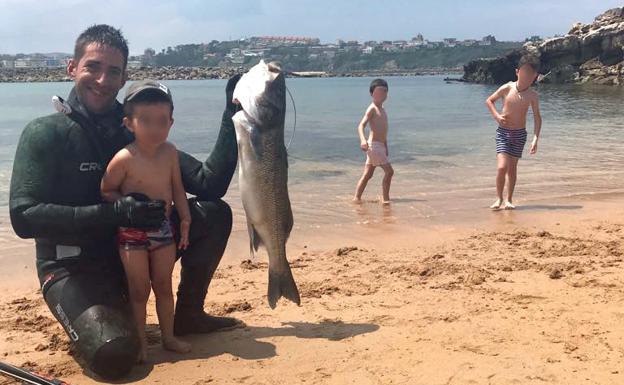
(310, 58)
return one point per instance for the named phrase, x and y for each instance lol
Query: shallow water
(441, 144)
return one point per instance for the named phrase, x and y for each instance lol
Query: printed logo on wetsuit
(90, 166)
(65, 321)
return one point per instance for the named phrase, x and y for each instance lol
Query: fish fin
(289, 222)
(254, 240)
(282, 284)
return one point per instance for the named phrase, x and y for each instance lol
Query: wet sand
(527, 297)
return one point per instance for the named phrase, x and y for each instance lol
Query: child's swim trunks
(137, 239)
(510, 141)
(376, 154)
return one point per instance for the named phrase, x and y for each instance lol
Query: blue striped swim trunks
(510, 141)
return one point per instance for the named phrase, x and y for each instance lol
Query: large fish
(263, 171)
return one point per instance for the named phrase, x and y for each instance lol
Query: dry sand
(530, 297)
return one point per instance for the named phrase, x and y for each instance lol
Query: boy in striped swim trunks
(511, 134)
(376, 147)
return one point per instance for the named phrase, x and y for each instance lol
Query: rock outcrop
(589, 53)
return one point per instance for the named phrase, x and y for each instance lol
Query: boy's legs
(502, 161)
(512, 172)
(161, 264)
(369, 169)
(388, 173)
(136, 265)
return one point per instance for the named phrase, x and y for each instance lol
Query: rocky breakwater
(183, 73)
(28, 75)
(23, 75)
(588, 53)
(15, 75)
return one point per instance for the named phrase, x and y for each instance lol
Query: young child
(511, 134)
(149, 167)
(376, 148)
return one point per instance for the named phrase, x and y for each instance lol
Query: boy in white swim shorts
(376, 147)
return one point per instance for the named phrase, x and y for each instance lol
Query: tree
(148, 57)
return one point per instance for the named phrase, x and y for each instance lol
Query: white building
(450, 42)
(488, 40)
(135, 63)
(418, 40)
(30, 63)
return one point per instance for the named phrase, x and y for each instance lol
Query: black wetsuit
(55, 198)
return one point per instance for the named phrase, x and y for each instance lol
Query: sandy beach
(527, 297)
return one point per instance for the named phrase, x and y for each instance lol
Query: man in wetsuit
(55, 198)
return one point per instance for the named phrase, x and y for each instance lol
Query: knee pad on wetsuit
(109, 350)
(98, 321)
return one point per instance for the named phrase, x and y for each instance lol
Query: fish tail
(282, 284)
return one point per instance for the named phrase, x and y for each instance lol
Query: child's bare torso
(378, 125)
(152, 176)
(516, 105)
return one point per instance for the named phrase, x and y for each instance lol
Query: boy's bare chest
(519, 98)
(152, 177)
(517, 101)
(379, 120)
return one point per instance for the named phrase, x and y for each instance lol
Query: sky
(28, 26)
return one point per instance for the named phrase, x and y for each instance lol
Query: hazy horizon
(29, 26)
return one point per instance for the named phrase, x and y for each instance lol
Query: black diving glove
(137, 210)
(229, 93)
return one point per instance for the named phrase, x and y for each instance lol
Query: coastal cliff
(588, 53)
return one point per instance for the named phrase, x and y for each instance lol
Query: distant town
(300, 53)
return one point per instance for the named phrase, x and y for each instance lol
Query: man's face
(98, 76)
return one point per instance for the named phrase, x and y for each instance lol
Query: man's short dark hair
(101, 34)
(530, 60)
(146, 97)
(377, 83)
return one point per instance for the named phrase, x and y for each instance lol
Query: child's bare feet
(509, 206)
(497, 204)
(176, 345)
(356, 200)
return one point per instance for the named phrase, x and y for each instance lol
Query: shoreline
(376, 230)
(39, 75)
